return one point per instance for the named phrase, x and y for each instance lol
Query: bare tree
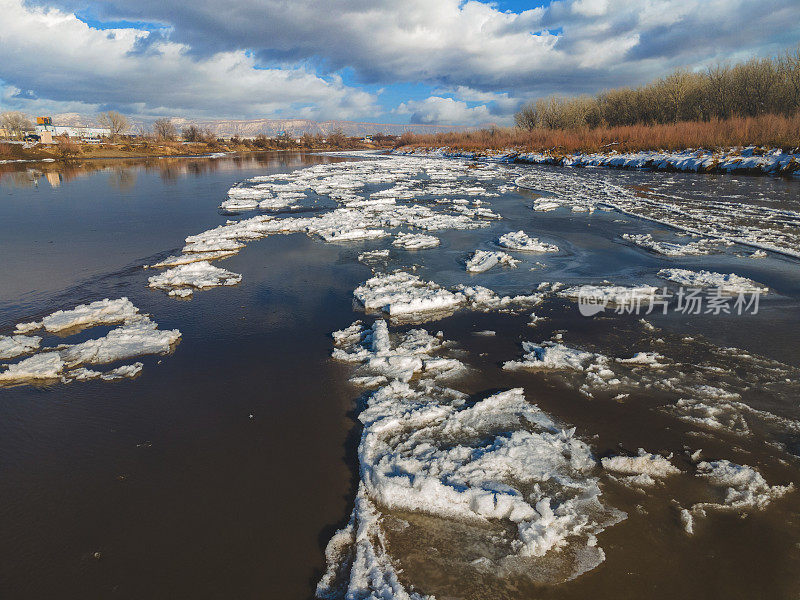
(527, 117)
(192, 134)
(337, 138)
(115, 122)
(164, 129)
(16, 123)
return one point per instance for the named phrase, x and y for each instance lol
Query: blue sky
(450, 62)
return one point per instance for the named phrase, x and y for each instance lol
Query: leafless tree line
(757, 87)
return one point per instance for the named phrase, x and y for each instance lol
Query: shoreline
(738, 161)
(155, 153)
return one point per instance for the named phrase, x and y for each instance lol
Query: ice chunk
(46, 365)
(134, 339)
(197, 275)
(550, 355)
(101, 312)
(191, 257)
(483, 260)
(415, 241)
(641, 470)
(403, 293)
(743, 487)
(17, 345)
(519, 240)
(694, 248)
(136, 336)
(726, 283)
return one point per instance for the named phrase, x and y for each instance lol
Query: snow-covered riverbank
(751, 160)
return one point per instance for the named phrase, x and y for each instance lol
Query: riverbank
(750, 160)
(71, 151)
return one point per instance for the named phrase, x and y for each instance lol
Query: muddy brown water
(223, 469)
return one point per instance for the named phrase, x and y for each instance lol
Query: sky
(443, 62)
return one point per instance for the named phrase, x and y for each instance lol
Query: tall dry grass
(773, 131)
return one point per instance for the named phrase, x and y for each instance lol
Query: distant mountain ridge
(271, 127)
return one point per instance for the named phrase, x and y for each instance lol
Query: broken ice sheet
(135, 335)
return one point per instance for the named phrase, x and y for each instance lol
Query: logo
(591, 300)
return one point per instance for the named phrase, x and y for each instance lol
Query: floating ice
(42, 366)
(641, 470)
(17, 345)
(381, 360)
(550, 355)
(102, 312)
(612, 294)
(519, 240)
(742, 487)
(694, 248)
(483, 260)
(185, 259)
(402, 293)
(415, 241)
(136, 335)
(181, 280)
(726, 283)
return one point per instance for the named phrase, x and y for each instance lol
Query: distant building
(44, 125)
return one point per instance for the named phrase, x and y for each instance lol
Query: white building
(84, 133)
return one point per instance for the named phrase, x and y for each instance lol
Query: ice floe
(519, 240)
(135, 335)
(483, 260)
(726, 283)
(644, 469)
(184, 279)
(415, 241)
(381, 360)
(406, 296)
(693, 248)
(740, 486)
(401, 293)
(17, 345)
(101, 312)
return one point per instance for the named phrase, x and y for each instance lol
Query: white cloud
(436, 110)
(205, 59)
(56, 55)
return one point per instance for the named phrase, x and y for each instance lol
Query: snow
(519, 240)
(415, 241)
(198, 275)
(483, 260)
(726, 283)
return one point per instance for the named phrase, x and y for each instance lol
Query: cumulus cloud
(436, 110)
(457, 48)
(51, 53)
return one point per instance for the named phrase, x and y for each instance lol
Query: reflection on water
(122, 173)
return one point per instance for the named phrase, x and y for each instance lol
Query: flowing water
(231, 459)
